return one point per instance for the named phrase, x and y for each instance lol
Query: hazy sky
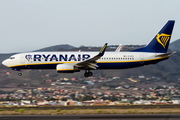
(27, 25)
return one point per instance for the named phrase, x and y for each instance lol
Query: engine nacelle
(66, 68)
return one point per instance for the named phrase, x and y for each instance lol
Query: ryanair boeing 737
(70, 62)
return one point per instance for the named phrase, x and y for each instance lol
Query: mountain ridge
(57, 48)
(175, 46)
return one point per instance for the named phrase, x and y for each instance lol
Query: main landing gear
(88, 73)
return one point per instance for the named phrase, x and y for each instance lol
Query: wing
(91, 63)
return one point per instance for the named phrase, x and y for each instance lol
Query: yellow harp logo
(163, 39)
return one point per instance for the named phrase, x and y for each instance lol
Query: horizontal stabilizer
(165, 54)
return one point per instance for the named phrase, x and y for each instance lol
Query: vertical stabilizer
(160, 42)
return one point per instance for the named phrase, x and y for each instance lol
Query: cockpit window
(12, 58)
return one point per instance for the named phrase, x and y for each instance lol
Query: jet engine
(66, 68)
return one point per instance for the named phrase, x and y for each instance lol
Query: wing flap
(91, 63)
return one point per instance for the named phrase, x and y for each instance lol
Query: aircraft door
(22, 59)
(142, 58)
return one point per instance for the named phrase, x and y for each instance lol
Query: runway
(93, 117)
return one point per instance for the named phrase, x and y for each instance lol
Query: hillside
(175, 45)
(57, 48)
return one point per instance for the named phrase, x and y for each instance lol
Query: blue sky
(28, 25)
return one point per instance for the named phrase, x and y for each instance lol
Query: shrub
(76, 108)
(99, 110)
(19, 110)
(58, 110)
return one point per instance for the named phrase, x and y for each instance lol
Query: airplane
(70, 62)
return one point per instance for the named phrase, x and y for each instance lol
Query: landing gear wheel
(86, 74)
(90, 73)
(19, 74)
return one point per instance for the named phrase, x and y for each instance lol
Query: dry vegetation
(90, 111)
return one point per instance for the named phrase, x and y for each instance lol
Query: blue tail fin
(160, 42)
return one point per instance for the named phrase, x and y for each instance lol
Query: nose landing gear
(19, 74)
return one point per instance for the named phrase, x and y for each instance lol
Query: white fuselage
(110, 60)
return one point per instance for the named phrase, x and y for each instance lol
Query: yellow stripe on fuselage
(65, 69)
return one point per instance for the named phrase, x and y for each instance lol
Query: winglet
(101, 53)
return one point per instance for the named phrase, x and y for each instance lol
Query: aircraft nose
(5, 62)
